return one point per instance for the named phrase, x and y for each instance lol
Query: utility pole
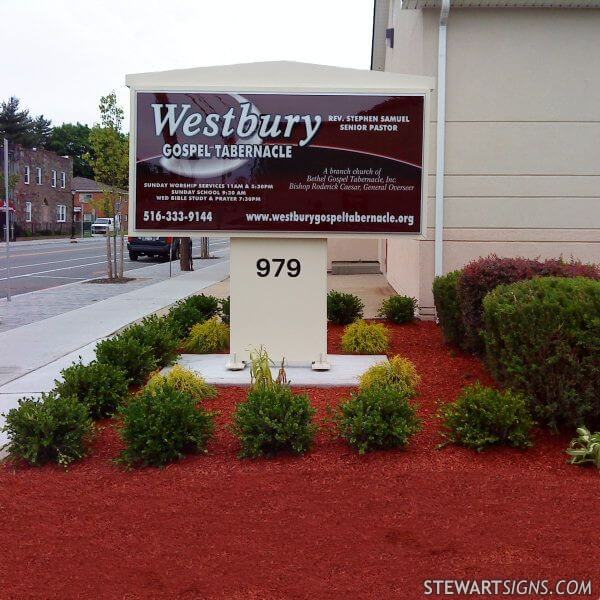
(7, 219)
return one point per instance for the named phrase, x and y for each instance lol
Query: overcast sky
(60, 56)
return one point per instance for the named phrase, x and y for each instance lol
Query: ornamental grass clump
(398, 309)
(365, 338)
(99, 387)
(187, 313)
(162, 424)
(398, 373)
(585, 448)
(378, 418)
(183, 380)
(343, 309)
(52, 428)
(482, 416)
(210, 336)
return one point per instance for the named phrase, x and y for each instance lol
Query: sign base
(278, 290)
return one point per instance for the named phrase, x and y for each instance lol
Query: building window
(28, 212)
(85, 197)
(38, 175)
(53, 177)
(63, 180)
(26, 175)
(61, 213)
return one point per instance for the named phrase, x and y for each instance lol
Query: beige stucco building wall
(522, 170)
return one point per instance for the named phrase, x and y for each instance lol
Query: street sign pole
(7, 219)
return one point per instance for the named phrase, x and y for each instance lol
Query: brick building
(41, 191)
(88, 195)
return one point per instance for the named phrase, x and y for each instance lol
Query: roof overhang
(416, 4)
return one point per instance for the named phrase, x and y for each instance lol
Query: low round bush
(210, 336)
(543, 339)
(482, 416)
(195, 309)
(447, 308)
(155, 333)
(398, 373)
(378, 418)
(273, 419)
(161, 425)
(99, 387)
(51, 428)
(398, 309)
(365, 338)
(128, 354)
(183, 380)
(225, 309)
(343, 309)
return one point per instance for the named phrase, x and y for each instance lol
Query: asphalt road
(46, 265)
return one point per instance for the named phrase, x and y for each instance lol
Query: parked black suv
(159, 247)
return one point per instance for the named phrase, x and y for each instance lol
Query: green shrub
(398, 373)
(378, 418)
(343, 309)
(52, 428)
(585, 448)
(447, 307)
(183, 380)
(128, 354)
(274, 419)
(482, 416)
(398, 309)
(225, 309)
(162, 424)
(156, 333)
(210, 336)
(195, 309)
(99, 387)
(543, 338)
(365, 338)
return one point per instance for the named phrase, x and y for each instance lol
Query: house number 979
(275, 266)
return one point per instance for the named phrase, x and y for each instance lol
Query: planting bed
(331, 524)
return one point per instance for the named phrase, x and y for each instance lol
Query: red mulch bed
(330, 524)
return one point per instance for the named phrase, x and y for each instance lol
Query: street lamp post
(73, 240)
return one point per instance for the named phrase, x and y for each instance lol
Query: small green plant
(210, 336)
(162, 424)
(51, 428)
(398, 373)
(183, 380)
(482, 416)
(447, 307)
(398, 309)
(260, 369)
(343, 309)
(378, 418)
(225, 309)
(127, 353)
(156, 333)
(365, 338)
(99, 387)
(585, 448)
(187, 313)
(274, 419)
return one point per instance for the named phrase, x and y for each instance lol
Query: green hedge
(543, 338)
(447, 306)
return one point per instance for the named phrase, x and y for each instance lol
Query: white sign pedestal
(278, 292)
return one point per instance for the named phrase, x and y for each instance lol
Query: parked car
(103, 225)
(159, 247)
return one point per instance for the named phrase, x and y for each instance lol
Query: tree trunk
(109, 264)
(204, 248)
(185, 254)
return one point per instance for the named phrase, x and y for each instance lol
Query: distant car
(103, 225)
(159, 247)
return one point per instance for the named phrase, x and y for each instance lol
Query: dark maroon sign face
(277, 163)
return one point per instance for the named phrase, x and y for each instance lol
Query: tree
(109, 160)
(73, 139)
(15, 123)
(40, 132)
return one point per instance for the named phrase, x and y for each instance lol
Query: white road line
(102, 262)
(53, 262)
(58, 277)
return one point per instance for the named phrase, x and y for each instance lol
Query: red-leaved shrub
(484, 274)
